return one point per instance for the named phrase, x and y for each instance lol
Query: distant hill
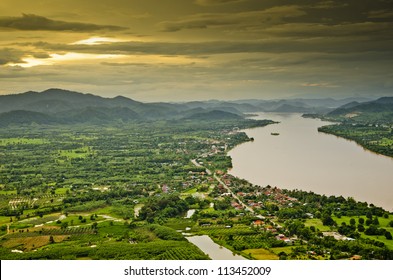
(58, 106)
(213, 115)
(20, 117)
(54, 106)
(288, 108)
(59, 100)
(381, 105)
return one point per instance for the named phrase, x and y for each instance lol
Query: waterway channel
(297, 156)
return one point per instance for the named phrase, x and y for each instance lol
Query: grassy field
(39, 221)
(77, 153)
(383, 222)
(61, 190)
(31, 243)
(77, 220)
(12, 192)
(286, 249)
(261, 254)
(388, 243)
(317, 223)
(21, 141)
(179, 224)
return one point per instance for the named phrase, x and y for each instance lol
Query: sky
(181, 50)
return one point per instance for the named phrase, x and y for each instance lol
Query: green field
(317, 223)
(261, 254)
(70, 192)
(21, 141)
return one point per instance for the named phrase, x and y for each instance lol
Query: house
(258, 223)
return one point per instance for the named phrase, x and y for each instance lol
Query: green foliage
(327, 220)
(168, 206)
(166, 233)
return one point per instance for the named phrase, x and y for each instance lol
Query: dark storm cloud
(34, 22)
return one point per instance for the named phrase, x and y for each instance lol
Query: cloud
(240, 20)
(322, 85)
(381, 14)
(215, 2)
(318, 30)
(8, 55)
(274, 44)
(32, 22)
(329, 5)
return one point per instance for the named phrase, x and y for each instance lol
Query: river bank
(302, 158)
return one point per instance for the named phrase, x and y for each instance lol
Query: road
(224, 185)
(198, 165)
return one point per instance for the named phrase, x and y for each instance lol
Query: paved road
(197, 164)
(225, 186)
(233, 195)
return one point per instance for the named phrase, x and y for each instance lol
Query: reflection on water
(300, 157)
(214, 251)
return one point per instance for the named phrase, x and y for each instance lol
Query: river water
(212, 249)
(300, 157)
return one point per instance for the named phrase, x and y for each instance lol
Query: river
(212, 249)
(300, 157)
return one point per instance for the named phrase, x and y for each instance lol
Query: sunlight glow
(116, 59)
(97, 41)
(62, 58)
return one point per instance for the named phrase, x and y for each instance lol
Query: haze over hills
(58, 106)
(381, 105)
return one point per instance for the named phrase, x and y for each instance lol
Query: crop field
(261, 254)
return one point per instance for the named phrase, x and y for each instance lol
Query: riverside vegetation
(369, 124)
(123, 189)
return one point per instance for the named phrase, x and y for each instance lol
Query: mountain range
(59, 106)
(381, 105)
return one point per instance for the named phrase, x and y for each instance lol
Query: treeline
(378, 139)
(162, 207)
(338, 205)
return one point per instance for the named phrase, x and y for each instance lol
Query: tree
(388, 235)
(361, 221)
(51, 239)
(327, 220)
(64, 225)
(352, 222)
